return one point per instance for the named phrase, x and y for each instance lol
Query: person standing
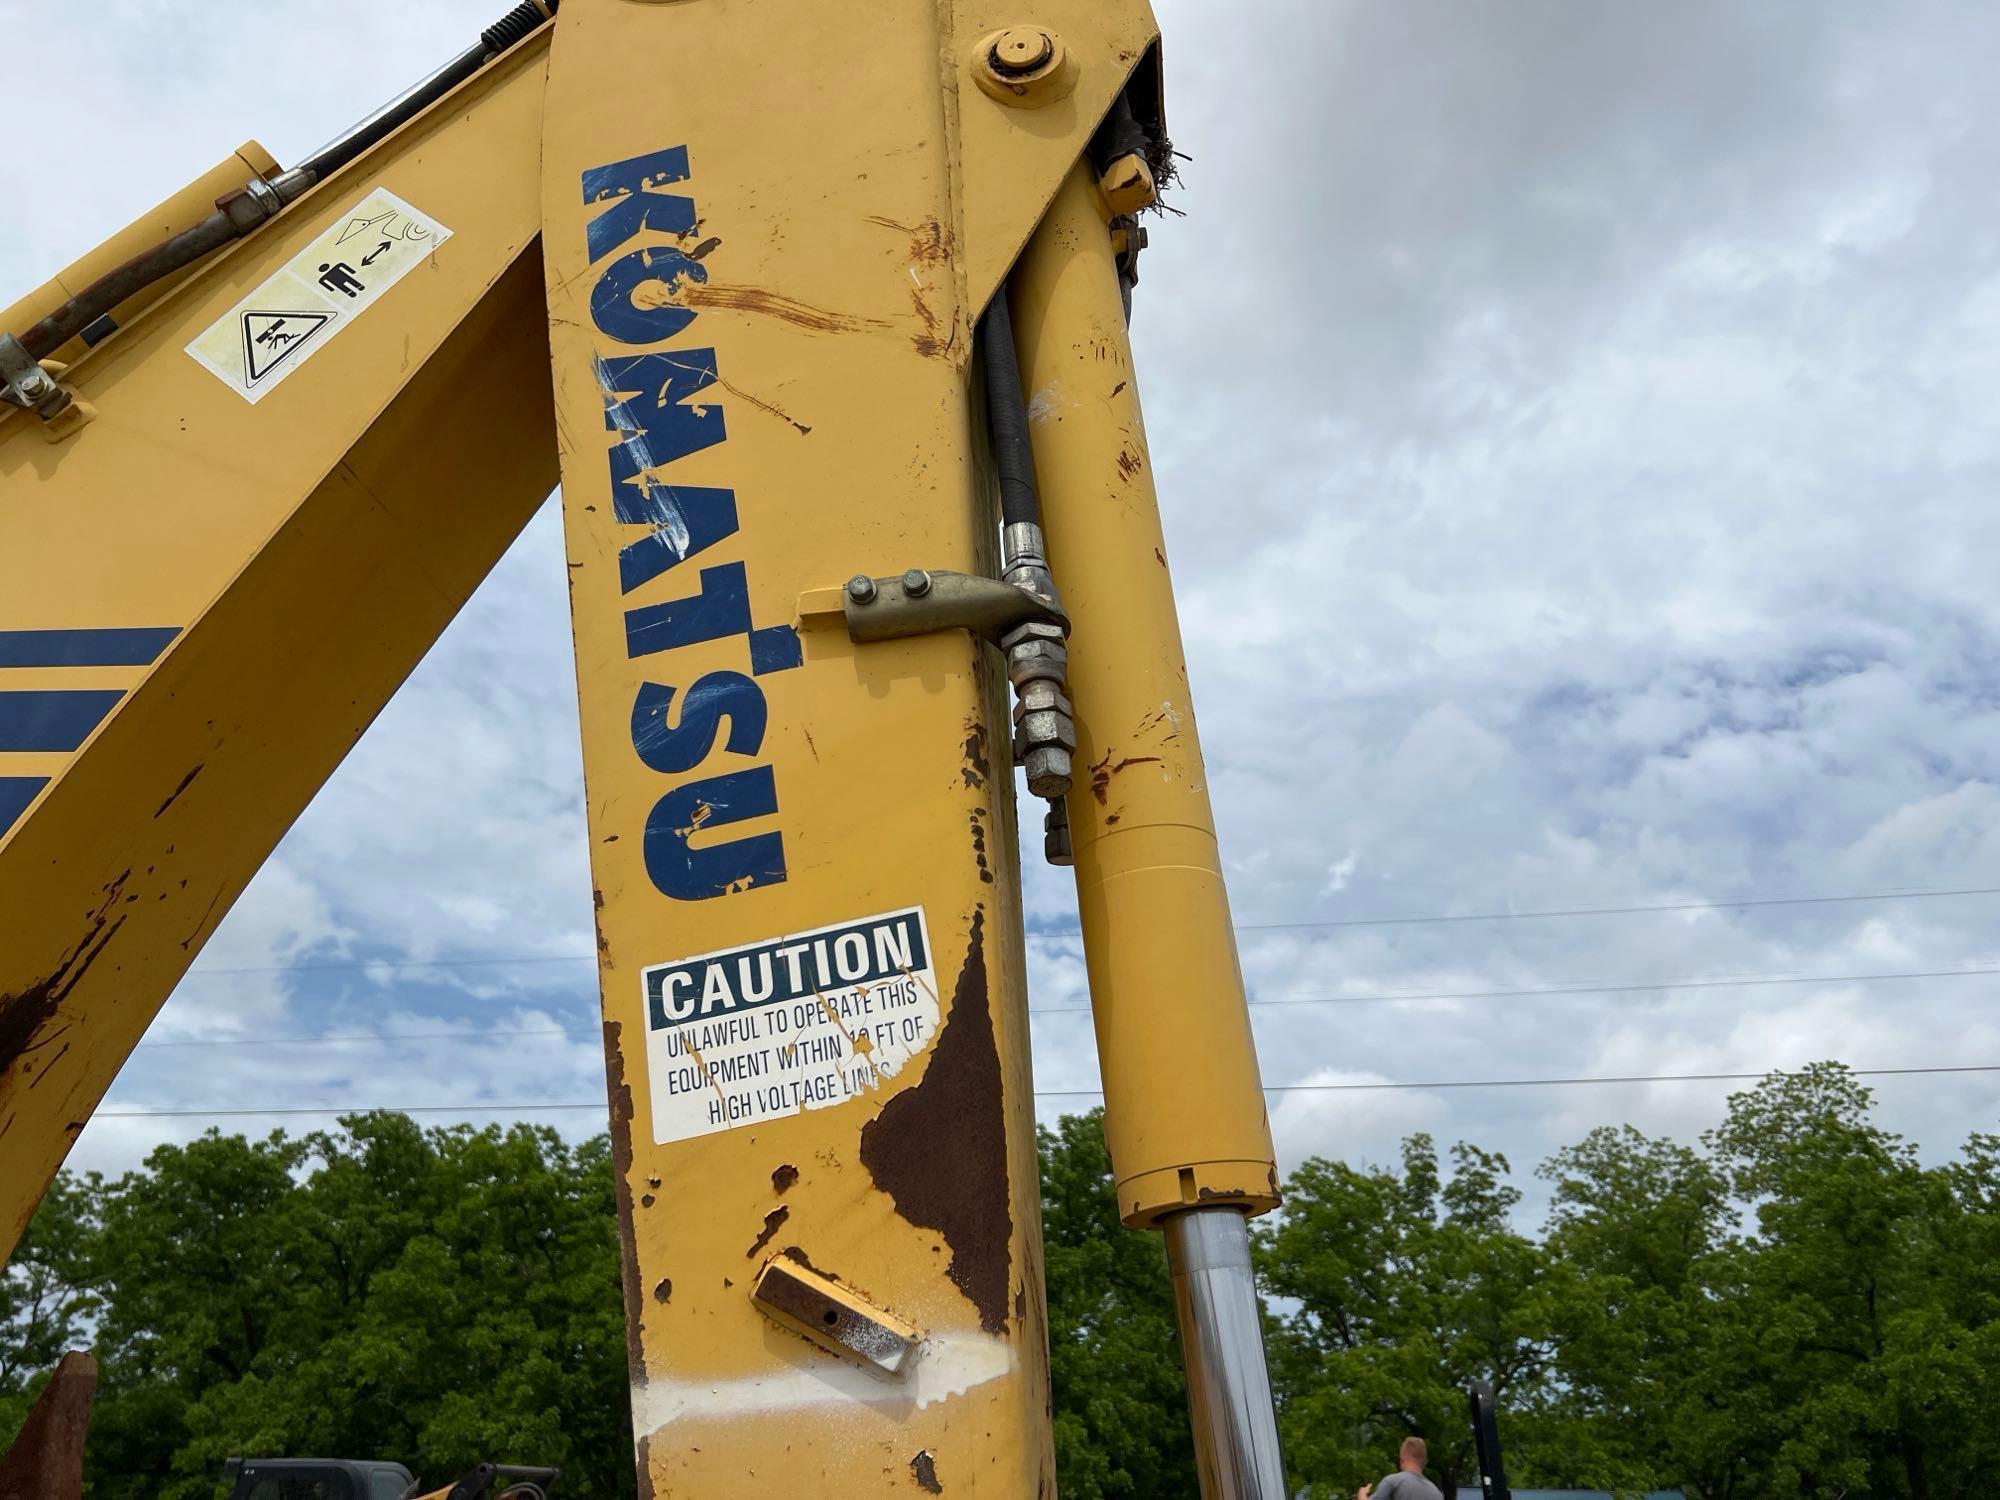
(1408, 1482)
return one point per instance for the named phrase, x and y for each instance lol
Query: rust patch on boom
(26, 1012)
(1104, 770)
(621, 1161)
(773, 1222)
(750, 299)
(940, 1149)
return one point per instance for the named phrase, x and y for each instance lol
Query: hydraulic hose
(134, 276)
(331, 157)
(244, 213)
(524, 18)
(1007, 416)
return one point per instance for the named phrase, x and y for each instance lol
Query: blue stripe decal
(16, 792)
(85, 648)
(55, 719)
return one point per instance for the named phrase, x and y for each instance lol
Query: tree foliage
(438, 1297)
(1794, 1306)
(1120, 1399)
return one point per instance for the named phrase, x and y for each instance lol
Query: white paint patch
(300, 308)
(940, 1369)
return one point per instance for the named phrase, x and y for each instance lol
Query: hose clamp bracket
(24, 383)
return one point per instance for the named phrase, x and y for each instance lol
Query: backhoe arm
(210, 583)
(818, 308)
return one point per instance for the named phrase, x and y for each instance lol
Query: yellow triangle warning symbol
(271, 338)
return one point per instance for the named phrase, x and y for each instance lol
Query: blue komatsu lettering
(652, 403)
(618, 316)
(628, 186)
(687, 873)
(685, 519)
(642, 404)
(681, 747)
(722, 608)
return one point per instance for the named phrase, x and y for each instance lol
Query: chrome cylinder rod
(1222, 1342)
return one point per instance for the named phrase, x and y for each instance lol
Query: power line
(1400, 997)
(471, 962)
(1390, 997)
(1537, 1083)
(1281, 1088)
(1621, 911)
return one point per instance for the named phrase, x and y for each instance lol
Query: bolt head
(36, 384)
(1049, 771)
(1019, 50)
(916, 583)
(861, 588)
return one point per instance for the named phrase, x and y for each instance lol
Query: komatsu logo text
(646, 396)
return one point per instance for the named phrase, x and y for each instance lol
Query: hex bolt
(1049, 771)
(916, 583)
(1020, 50)
(861, 589)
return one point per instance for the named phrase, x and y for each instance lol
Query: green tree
(1795, 1308)
(435, 1296)
(1843, 1332)
(45, 1300)
(1634, 1224)
(1121, 1426)
(1403, 1286)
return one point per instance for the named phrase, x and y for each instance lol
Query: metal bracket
(922, 601)
(24, 383)
(809, 1302)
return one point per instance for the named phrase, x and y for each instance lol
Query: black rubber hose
(124, 281)
(1007, 416)
(332, 158)
(1120, 135)
(217, 230)
(495, 39)
(517, 23)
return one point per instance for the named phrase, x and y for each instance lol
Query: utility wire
(1538, 1083)
(1282, 1088)
(1074, 932)
(1620, 911)
(1400, 997)
(1391, 997)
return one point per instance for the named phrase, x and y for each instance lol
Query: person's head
(1414, 1456)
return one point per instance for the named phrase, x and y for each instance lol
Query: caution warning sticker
(304, 304)
(796, 1023)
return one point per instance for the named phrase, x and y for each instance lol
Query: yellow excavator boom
(818, 313)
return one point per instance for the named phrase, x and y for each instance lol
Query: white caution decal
(299, 309)
(800, 1022)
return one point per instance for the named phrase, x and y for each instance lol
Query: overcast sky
(1576, 426)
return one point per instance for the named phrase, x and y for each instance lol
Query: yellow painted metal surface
(183, 210)
(254, 581)
(766, 252)
(1184, 1110)
(765, 235)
